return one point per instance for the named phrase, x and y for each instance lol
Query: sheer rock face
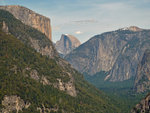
(30, 18)
(143, 106)
(142, 81)
(44, 46)
(66, 44)
(118, 52)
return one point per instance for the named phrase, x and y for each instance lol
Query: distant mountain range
(117, 52)
(35, 79)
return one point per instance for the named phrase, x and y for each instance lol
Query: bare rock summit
(66, 44)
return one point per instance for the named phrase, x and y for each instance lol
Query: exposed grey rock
(38, 42)
(13, 103)
(45, 81)
(43, 109)
(30, 18)
(61, 85)
(99, 53)
(142, 80)
(66, 44)
(143, 106)
(118, 52)
(34, 75)
(68, 87)
(5, 28)
(47, 50)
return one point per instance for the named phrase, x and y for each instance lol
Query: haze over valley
(74, 56)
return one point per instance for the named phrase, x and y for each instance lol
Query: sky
(86, 18)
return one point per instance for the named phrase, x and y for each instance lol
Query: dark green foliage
(13, 53)
(121, 93)
(24, 58)
(21, 31)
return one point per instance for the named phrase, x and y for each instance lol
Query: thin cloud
(78, 32)
(86, 21)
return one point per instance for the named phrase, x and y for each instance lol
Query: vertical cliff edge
(30, 18)
(35, 79)
(143, 106)
(142, 80)
(117, 52)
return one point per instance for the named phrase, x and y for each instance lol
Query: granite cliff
(118, 52)
(142, 80)
(39, 42)
(143, 106)
(66, 44)
(30, 18)
(35, 79)
(29, 35)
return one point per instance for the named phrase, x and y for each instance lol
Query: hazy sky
(86, 18)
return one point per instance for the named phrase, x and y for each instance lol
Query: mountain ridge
(33, 89)
(30, 18)
(132, 28)
(67, 43)
(109, 51)
(33, 81)
(30, 36)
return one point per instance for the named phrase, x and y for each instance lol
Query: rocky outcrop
(30, 18)
(47, 50)
(5, 28)
(34, 75)
(66, 44)
(28, 35)
(45, 81)
(118, 52)
(13, 103)
(143, 106)
(68, 87)
(24, 71)
(142, 81)
(43, 109)
(44, 46)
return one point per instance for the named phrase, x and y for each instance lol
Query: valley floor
(121, 93)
